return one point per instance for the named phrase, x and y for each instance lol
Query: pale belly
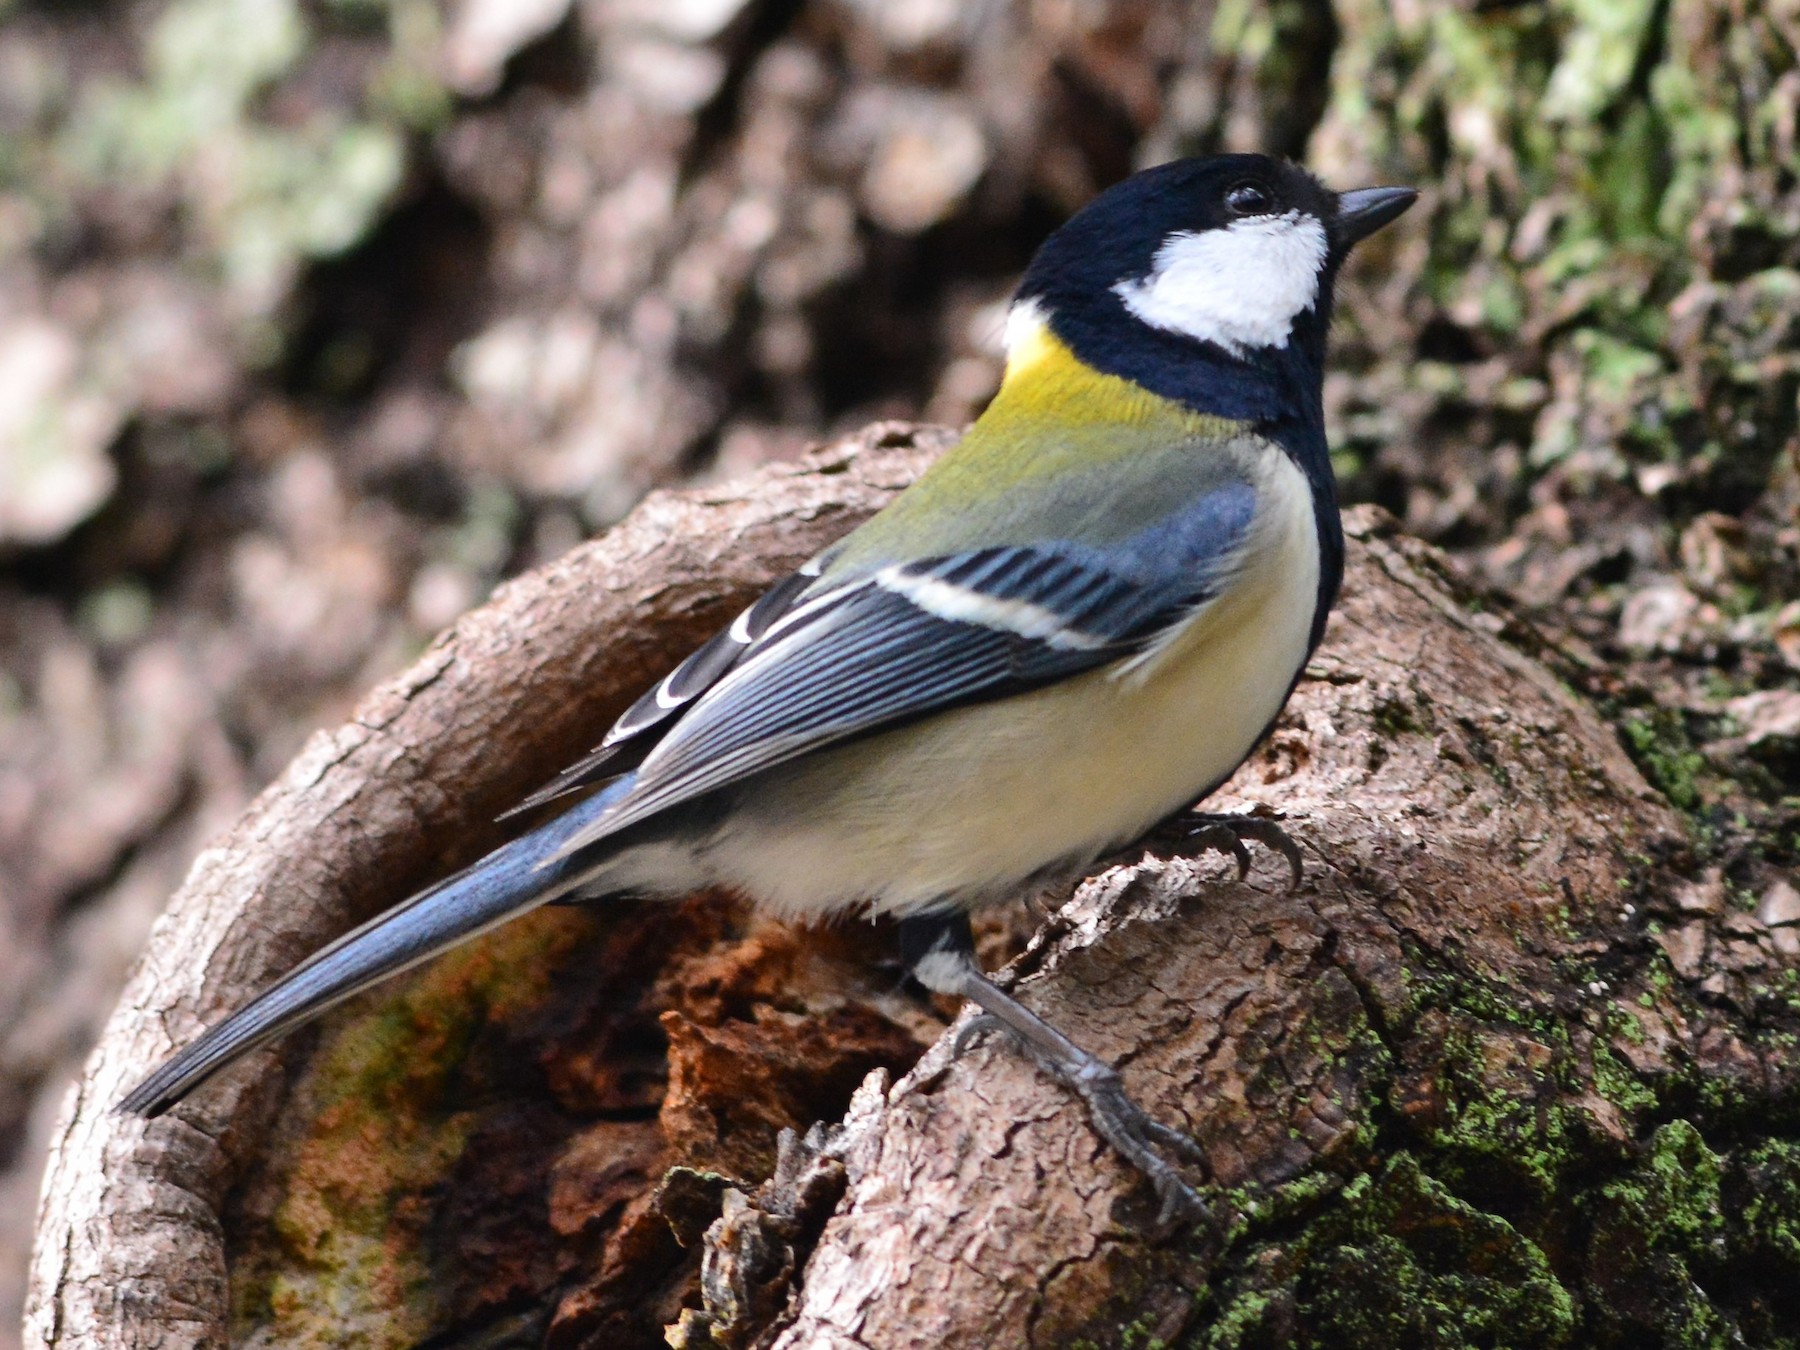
(962, 807)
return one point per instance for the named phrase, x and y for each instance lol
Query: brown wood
(129, 1250)
(1482, 944)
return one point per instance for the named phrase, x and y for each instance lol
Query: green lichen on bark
(1396, 1259)
(1520, 1182)
(259, 190)
(381, 1120)
(1609, 221)
(1665, 753)
(1500, 1227)
(1684, 1247)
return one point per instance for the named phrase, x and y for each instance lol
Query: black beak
(1366, 210)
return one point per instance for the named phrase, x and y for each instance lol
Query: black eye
(1248, 199)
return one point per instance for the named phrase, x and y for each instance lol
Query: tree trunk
(349, 326)
(1494, 1074)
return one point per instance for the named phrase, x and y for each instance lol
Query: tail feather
(512, 879)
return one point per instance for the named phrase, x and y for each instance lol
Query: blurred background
(318, 319)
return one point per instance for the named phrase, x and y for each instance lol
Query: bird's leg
(939, 949)
(1225, 832)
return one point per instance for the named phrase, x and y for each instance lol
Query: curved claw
(1136, 1135)
(971, 1030)
(1271, 835)
(1223, 839)
(1142, 1140)
(1123, 1124)
(1174, 1140)
(1211, 829)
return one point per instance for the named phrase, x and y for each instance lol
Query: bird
(1074, 626)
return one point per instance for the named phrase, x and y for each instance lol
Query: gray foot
(938, 949)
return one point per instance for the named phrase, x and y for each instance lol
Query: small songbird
(1075, 625)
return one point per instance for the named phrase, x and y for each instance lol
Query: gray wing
(642, 725)
(912, 640)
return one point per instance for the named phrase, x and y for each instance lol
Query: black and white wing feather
(637, 731)
(910, 640)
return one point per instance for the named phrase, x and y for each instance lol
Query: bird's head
(1206, 280)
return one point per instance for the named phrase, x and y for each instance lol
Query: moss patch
(348, 1260)
(1396, 1260)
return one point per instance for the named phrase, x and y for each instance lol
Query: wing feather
(636, 732)
(908, 641)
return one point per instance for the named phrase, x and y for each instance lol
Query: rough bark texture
(132, 1251)
(1484, 1079)
(320, 317)
(1362, 1059)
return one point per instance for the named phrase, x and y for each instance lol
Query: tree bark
(1482, 1078)
(129, 1249)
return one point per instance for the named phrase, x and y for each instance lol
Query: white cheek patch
(1240, 287)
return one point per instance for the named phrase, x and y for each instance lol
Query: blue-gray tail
(512, 879)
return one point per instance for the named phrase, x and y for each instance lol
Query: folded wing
(910, 640)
